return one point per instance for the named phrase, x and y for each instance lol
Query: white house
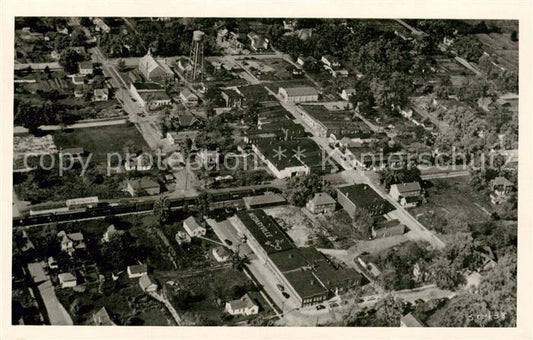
(208, 157)
(111, 230)
(193, 228)
(242, 306)
(137, 270)
(67, 280)
(146, 284)
(71, 242)
(258, 42)
(221, 254)
(330, 61)
(182, 237)
(300, 61)
(101, 95)
(347, 93)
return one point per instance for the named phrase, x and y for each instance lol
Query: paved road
(85, 124)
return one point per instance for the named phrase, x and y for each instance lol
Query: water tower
(196, 71)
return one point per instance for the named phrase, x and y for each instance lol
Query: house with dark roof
(408, 194)
(253, 93)
(71, 242)
(137, 270)
(188, 97)
(298, 94)
(321, 203)
(388, 228)
(232, 98)
(268, 199)
(501, 189)
(86, 68)
(362, 196)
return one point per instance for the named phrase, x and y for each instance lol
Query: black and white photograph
(264, 171)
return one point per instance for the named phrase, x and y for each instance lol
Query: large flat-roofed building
(362, 196)
(263, 234)
(339, 123)
(305, 273)
(288, 158)
(298, 94)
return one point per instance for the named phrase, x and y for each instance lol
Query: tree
(239, 262)
(85, 22)
(468, 47)
(389, 311)
(69, 59)
(77, 37)
(162, 210)
(204, 201)
(300, 189)
(121, 65)
(119, 251)
(514, 36)
(392, 92)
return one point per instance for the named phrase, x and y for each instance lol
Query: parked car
(228, 242)
(280, 287)
(285, 295)
(319, 307)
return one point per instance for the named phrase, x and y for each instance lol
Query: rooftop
(410, 320)
(322, 198)
(305, 283)
(365, 197)
(266, 198)
(147, 86)
(143, 183)
(265, 230)
(192, 223)
(102, 318)
(138, 268)
(86, 65)
(243, 302)
(301, 91)
(407, 187)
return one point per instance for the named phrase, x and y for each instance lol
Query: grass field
(451, 205)
(102, 140)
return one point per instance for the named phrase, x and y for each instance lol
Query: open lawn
(102, 140)
(210, 290)
(297, 225)
(124, 300)
(451, 205)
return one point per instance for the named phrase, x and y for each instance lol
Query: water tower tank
(197, 35)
